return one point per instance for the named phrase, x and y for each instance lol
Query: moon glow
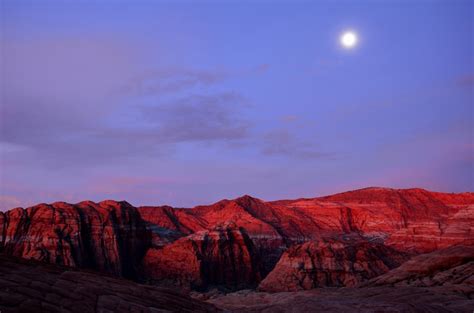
(348, 39)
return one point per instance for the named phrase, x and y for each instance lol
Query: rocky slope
(29, 286)
(381, 299)
(440, 281)
(408, 219)
(437, 282)
(237, 243)
(331, 262)
(452, 267)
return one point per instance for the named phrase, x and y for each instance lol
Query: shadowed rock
(451, 267)
(29, 286)
(331, 262)
(374, 299)
(223, 256)
(440, 281)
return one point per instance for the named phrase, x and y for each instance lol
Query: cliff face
(109, 236)
(223, 256)
(237, 243)
(439, 281)
(411, 220)
(331, 262)
(450, 267)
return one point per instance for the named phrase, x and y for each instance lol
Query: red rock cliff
(232, 242)
(109, 236)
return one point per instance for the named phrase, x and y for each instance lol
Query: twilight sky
(185, 103)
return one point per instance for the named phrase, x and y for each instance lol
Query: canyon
(365, 237)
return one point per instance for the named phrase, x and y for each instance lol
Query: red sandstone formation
(436, 282)
(411, 219)
(224, 256)
(330, 262)
(453, 267)
(440, 281)
(109, 236)
(235, 242)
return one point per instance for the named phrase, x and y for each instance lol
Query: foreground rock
(452, 267)
(331, 262)
(28, 286)
(440, 281)
(336, 300)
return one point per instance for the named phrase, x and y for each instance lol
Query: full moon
(348, 39)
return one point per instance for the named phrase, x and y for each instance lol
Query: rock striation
(331, 262)
(223, 256)
(450, 267)
(440, 281)
(108, 236)
(237, 243)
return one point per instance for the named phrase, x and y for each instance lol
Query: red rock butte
(340, 240)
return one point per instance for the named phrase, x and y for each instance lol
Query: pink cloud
(9, 202)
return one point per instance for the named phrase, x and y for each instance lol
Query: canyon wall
(238, 243)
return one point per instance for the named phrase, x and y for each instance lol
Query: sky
(189, 102)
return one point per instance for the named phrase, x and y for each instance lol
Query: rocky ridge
(237, 243)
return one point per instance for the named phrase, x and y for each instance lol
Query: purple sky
(186, 103)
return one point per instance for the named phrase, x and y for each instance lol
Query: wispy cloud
(281, 142)
(9, 202)
(62, 100)
(289, 118)
(465, 80)
(162, 81)
(199, 118)
(52, 87)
